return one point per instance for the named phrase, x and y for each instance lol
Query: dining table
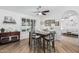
(43, 34)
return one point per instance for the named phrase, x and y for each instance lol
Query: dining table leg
(44, 45)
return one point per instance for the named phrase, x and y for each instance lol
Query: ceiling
(56, 11)
(23, 9)
(19, 9)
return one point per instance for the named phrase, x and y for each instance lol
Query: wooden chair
(49, 42)
(34, 41)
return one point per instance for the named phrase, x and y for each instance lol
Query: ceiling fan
(41, 12)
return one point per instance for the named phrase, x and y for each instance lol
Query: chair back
(52, 35)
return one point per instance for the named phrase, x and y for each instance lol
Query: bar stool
(34, 42)
(49, 42)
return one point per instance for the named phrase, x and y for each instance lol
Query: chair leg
(44, 45)
(53, 45)
(39, 45)
(49, 50)
(29, 39)
(34, 45)
(47, 46)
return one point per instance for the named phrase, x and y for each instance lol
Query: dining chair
(34, 42)
(49, 42)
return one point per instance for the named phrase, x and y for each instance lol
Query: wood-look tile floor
(64, 45)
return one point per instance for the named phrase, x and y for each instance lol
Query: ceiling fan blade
(43, 13)
(46, 11)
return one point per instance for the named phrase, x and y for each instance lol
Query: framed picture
(26, 22)
(9, 19)
(23, 22)
(49, 22)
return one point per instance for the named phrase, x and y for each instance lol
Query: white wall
(70, 26)
(14, 27)
(55, 13)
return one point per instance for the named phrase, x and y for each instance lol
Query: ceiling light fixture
(40, 11)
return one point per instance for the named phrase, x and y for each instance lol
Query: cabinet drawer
(14, 38)
(4, 39)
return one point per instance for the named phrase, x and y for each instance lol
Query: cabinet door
(4, 39)
(14, 38)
